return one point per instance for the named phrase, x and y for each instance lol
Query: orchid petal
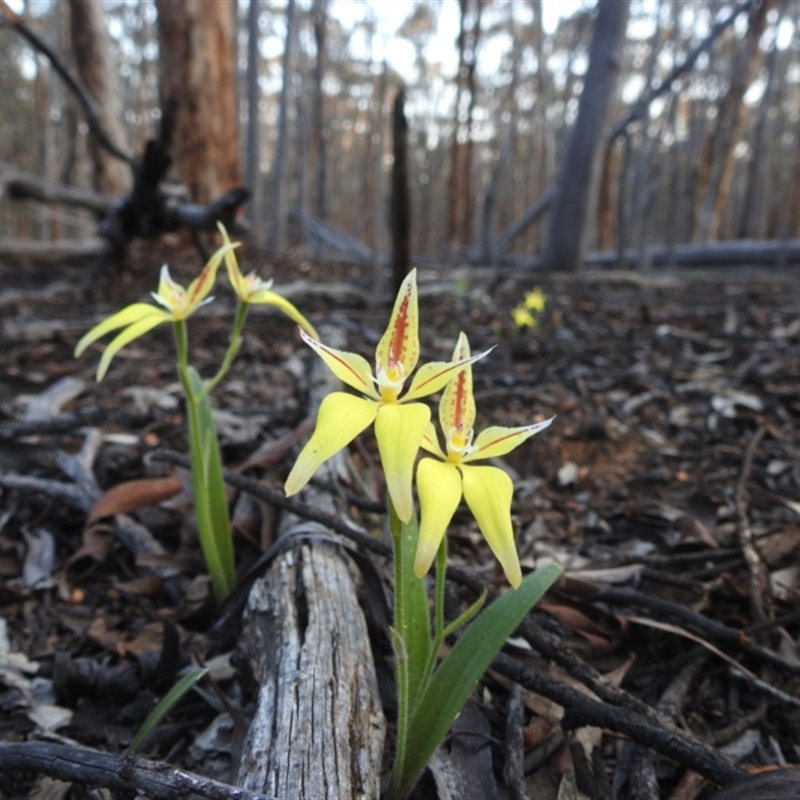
(497, 441)
(400, 343)
(439, 489)
(399, 430)
(457, 406)
(232, 263)
(341, 418)
(488, 492)
(433, 376)
(200, 287)
(171, 295)
(350, 368)
(126, 316)
(269, 298)
(130, 333)
(430, 442)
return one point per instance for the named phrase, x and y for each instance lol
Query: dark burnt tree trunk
(579, 175)
(401, 202)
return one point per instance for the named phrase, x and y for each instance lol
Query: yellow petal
(269, 298)
(400, 343)
(497, 441)
(535, 300)
(200, 287)
(399, 430)
(350, 368)
(130, 333)
(457, 406)
(171, 294)
(430, 442)
(488, 492)
(341, 418)
(127, 316)
(439, 489)
(433, 376)
(232, 263)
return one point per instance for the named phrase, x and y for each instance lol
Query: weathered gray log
(318, 727)
(20, 185)
(55, 252)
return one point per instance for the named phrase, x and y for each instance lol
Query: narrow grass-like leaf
(450, 687)
(211, 503)
(165, 706)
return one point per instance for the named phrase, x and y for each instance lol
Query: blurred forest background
(515, 125)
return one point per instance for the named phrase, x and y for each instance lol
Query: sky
(390, 14)
(399, 53)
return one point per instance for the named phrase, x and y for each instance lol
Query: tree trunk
(91, 46)
(197, 73)
(577, 188)
(319, 148)
(459, 220)
(253, 180)
(728, 125)
(278, 210)
(401, 201)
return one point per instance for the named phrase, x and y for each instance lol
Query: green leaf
(208, 484)
(454, 680)
(165, 706)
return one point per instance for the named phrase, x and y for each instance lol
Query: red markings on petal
(397, 344)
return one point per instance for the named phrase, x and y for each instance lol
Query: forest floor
(668, 487)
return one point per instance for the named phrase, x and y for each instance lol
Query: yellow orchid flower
(252, 290)
(522, 317)
(535, 300)
(176, 304)
(487, 490)
(399, 422)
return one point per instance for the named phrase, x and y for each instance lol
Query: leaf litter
(643, 482)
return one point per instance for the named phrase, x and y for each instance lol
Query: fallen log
(51, 252)
(734, 253)
(21, 185)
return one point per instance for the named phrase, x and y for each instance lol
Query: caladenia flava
(429, 695)
(175, 304)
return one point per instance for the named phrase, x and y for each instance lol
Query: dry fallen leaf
(129, 496)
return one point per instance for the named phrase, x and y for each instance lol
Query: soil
(671, 472)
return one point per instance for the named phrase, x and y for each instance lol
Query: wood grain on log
(318, 729)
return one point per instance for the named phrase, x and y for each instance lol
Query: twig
(708, 627)
(580, 710)
(62, 424)
(758, 576)
(513, 773)
(125, 772)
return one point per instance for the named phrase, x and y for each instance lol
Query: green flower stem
(411, 637)
(441, 573)
(400, 649)
(233, 348)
